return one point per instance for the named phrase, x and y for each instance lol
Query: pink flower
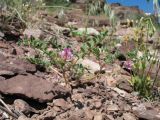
(66, 54)
(128, 64)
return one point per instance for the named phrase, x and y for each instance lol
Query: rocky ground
(32, 94)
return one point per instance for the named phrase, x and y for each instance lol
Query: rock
(111, 81)
(146, 114)
(17, 51)
(122, 93)
(90, 65)
(23, 107)
(97, 104)
(148, 105)
(124, 31)
(61, 103)
(89, 31)
(89, 113)
(24, 65)
(78, 98)
(123, 12)
(4, 45)
(16, 66)
(98, 117)
(6, 73)
(2, 58)
(31, 32)
(30, 86)
(129, 116)
(124, 85)
(1, 35)
(2, 78)
(24, 118)
(113, 107)
(11, 69)
(126, 107)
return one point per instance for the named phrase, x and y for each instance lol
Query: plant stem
(9, 112)
(151, 64)
(64, 76)
(156, 74)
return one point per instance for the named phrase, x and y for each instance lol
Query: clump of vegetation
(141, 60)
(21, 8)
(62, 58)
(94, 7)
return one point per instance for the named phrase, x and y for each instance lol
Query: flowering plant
(66, 54)
(128, 65)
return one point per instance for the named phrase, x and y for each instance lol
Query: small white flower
(118, 45)
(139, 54)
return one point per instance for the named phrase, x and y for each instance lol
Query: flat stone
(146, 114)
(89, 31)
(2, 57)
(113, 107)
(2, 78)
(22, 106)
(90, 65)
(17, 66)
(61, 103)
(36, 33)
(98, 117)
(98, 104)
(23, 64)
(124, 85)
(129, 116)
(5, 72)
(89, 113)
(31, 87)
(24, 118)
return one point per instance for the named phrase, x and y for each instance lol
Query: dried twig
(56, 71)
(1, 101)
(7, 111)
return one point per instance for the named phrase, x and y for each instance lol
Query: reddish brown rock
(146, 114)
(22, 106)
(61, 103)
(2, 57)
(32, 87)
(24, 65)
(16, 66)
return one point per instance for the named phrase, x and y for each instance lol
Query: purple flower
(128, 64)
(66, 54)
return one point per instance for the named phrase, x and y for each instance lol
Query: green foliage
(35, 43)
(141, 80)
(143, 86)
(110, 14)
(39, 61)
(143, 60)
(148, 24)
(46, 59)
(96, 46)
(21, 8)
